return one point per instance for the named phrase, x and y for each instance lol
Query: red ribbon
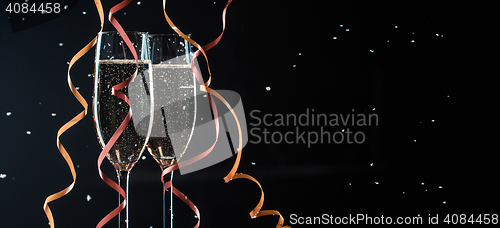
(116, 92)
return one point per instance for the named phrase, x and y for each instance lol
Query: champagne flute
(115, 63)
(175, 105)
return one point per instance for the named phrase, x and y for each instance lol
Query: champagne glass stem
(168, 211)
(123, 182)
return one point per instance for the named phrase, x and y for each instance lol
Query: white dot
(294, 65)
(334, 37)
(387, 41)
(444, 202)
(61, 44)
(53, 114)
(422, 183)
(84, 12)
(341, 26)
(437, 34)
(396, 26)
(371, 164)
(8, 113)
(376, 182)
(139, 3)
(28, 132)
(373, 109)
(414, 140)
(432, 121)
(413, 41)
(300, 53)
(3, 175)
(372, 51)
(66, 7)
(143, 157)
(268, 88)
(88, 198)
(253, 163)
(403, 193)
(347, 30)
(440, 187)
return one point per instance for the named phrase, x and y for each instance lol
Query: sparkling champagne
(110, 110)
(174, 112)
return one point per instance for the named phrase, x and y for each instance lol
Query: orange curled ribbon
(256, 212)
(72, 122)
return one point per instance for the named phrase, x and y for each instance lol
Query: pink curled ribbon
(116, 92)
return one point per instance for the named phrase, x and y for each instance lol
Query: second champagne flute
(175, 106)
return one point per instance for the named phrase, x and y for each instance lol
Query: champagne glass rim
(168, 34)
(128, 32)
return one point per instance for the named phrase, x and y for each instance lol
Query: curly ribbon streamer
(256, 212)
(212, 104)
(72, 122)
(116, 92)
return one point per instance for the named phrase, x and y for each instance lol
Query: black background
(421, 166)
